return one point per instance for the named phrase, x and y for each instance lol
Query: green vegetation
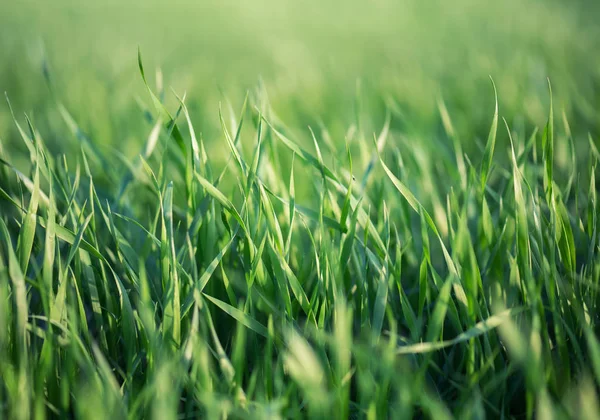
(252, 233)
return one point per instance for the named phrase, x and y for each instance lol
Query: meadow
(299, 210)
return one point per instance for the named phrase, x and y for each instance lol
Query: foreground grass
(400, 281)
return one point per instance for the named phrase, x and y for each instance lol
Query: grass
(400, 257)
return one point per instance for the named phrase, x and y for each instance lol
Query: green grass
(310, 246)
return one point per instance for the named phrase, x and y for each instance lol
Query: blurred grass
(309, 56)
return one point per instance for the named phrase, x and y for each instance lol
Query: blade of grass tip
(488, 154)
(43, 198)
(381, 141)
(170, 125)
(257, 153)
(406, 193)
(192, 339)
(152, 139)
(9, 198)
(80, 136)
(191, 164)
(317, 149)
(82, 322)
(548, 150)
(349, 239)
(380, 304)
(27, 231)
(232, 146)
(271, 218)
(224, 362)
(150, 174)
(151, 143)
(239, 316)
(425, 261)
(232, 122)
(238, 131)
(593, 148)
(204, 159)
(326, 136)
(449, 128)
(479, 329)
(150, 235)
(346, 205)
(303, 154)
(418, 207)
(69, 237)
(291, 208)
(565, 239)
(34, 135)
(591, 206)
(72, 205)
(520, 206)
(160, 88)
(257, 271)
(28, 141)
(486, 221)
(573, 155)
(58, 307)
(220, 197)
(91, 290)
(524, 155)
(78, 238)
(310, 213)
(203, 280)
(293, 281)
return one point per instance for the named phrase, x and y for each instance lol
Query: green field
(277, 209)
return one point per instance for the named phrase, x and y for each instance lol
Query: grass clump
(367, 278)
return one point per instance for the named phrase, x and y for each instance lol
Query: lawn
(299, 210)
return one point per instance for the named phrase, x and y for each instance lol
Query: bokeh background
(312, 59)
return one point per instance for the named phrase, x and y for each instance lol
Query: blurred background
(333, 63)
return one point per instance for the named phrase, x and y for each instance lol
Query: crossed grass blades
(167, 288)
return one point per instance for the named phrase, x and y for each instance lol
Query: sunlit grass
(418, 258)
(173, 293)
